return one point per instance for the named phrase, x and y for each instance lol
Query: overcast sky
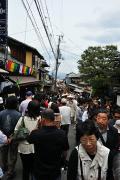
(82, 23)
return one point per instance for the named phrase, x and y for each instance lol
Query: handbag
(22, 132)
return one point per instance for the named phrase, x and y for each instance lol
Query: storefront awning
(24, 80)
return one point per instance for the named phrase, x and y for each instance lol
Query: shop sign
(3, 21)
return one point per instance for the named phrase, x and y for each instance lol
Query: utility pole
(57, 62)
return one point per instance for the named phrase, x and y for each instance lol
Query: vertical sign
(3, 22)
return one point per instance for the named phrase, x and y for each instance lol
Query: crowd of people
(44, 151)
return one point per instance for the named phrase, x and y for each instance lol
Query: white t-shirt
(65, 111)
(23, 106)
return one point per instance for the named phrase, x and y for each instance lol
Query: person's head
(11, 102)
(102, 119)
(29, 95)
(70, 97)
(33, 109)
(88, 136)
(63, 101)
(116, 114)
(55, 108)
(47, 117)
(37, 98)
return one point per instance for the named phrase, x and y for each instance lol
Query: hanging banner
(3, 21)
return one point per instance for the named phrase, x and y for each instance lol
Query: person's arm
(32, 138)
(3, 138)
(73, 166)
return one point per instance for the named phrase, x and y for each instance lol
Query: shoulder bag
(22, 132)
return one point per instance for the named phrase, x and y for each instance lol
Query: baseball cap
(29, 93)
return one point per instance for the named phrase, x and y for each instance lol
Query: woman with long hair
(25, 149)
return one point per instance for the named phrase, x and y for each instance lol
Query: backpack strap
(99, 173)
(81, 167)
(22, 122)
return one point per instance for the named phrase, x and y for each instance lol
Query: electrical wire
(26, 22)
(36, 29)
(70, 53)
(37, 26)
(22, 32)
(50, 22)
(42, 19)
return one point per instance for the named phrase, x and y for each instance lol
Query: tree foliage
(99, 65)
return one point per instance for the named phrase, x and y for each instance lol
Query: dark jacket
(8, 120)
(112, 143)
(112, 138)
(49, 143)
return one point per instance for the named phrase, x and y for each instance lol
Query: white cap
(71, 96)
(63, 100)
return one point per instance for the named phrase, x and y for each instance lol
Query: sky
(81, 23)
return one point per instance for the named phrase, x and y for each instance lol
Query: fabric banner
(18, 68)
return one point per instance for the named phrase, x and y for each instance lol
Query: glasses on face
(86, 140)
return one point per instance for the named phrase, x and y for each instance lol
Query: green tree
(99, 65)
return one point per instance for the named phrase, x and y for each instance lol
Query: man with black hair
(8, 120)
(51, 144)
(108, 137)
(116, 116)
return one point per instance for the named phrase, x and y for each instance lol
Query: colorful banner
(18, 68)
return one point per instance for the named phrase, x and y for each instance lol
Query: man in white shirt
(24, 104)
(65, 111)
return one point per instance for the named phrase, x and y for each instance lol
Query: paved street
(71, 137)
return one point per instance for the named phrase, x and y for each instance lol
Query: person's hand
(9, 140)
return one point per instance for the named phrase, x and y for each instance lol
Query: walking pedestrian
(65, 112)
(89, 160)
(108, 137)
(24, 104)
(51, 144)
(8, 120)
(25, 149)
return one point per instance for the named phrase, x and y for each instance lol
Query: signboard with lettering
(3, 21)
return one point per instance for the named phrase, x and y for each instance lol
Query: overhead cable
(36, 29)
(50, 22)
(42, 19)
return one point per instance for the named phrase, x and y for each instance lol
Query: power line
(26, 22)
(22, 32)
(42, 19)
(36, 25)
(66, 36)
(71, 53)
(41, 7)
(36, 29)
(50, 21)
